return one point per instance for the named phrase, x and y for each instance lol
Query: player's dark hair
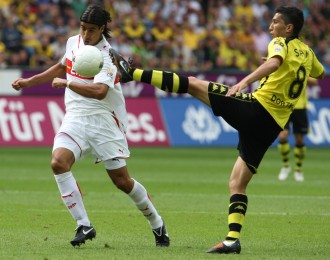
(292, 15)
(95, 14)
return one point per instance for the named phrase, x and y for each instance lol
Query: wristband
(68, 82)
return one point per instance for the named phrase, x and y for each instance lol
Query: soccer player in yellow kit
(299, 122)
(259, 116)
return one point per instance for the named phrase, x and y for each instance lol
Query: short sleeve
(277, 47)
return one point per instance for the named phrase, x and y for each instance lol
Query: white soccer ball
(87, 61)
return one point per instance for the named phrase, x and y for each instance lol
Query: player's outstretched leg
(166, 81)
(124, 68)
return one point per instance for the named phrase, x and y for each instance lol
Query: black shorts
(298, 121)
(256, 128)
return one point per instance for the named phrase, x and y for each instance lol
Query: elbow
(100, 95)
(101, 92)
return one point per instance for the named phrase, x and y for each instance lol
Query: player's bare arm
(58, 70)
(95, 90)
(263, 70)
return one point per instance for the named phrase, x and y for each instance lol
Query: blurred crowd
(188, 35)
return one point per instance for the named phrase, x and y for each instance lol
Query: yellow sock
(284, 149)
(237, 210)
(166, 81)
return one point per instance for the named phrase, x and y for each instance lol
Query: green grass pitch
(189, 187)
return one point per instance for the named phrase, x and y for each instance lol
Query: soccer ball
(87, 61)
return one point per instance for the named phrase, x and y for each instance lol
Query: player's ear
(289, 28)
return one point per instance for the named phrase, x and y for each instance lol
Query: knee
(238, 185)
(123, 183)
(58, 165)
(193, 82)
(232, 185)
(283, 136)
(299, 138)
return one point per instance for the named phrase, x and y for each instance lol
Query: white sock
(142, 201)
(72, 197)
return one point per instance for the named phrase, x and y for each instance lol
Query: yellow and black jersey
(279, 92)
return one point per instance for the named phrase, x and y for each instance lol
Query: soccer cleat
(83, 233)
(284, 173)
(161, 236)
(222, 248)
(123, 67)
(299, 176)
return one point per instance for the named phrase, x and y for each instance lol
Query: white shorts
(100, 135)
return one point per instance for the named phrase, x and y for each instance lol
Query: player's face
(278, 28)
(91, 33)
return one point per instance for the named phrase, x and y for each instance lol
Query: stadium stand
(180, 35)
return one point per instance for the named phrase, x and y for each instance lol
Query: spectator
(195, 13)
(190, 40)
(260, 40)
(3, 61)
(30, 40)
(244, 9)
(161, 31)
(322, 49)
(44, 54)
(59, 44)
(72, 27)
(43, 28)
(5, 7)
(207, 53)
(259, 9)
(19, 58)
(134, 27)
(123, 45)
(224, 9)
(230, 46)
(49, 17)
(165, 52)
(11, 36)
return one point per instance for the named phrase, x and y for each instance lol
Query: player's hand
(59, 83)
(20, 83)
(236, 89)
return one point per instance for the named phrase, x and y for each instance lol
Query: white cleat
(284, 173)
(299, 176)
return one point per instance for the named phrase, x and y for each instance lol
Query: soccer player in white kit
(95, 122)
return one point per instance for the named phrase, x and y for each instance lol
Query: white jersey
(78, 105)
